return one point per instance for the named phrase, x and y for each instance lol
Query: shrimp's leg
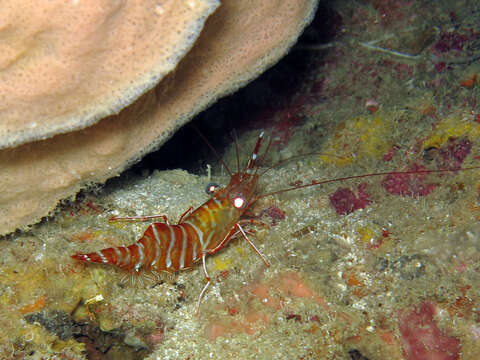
(231, 233)
(253, 221)
(149, 217)
(140, 218)
(209, 280)
(234, 232)
(253, 245)
(186, 213)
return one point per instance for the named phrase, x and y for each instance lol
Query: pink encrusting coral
(413, 185)
(271, 295)
(422, 339)
(345, 201)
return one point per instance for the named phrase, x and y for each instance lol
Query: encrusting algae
(374, 136)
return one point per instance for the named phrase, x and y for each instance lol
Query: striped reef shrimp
(199, 232)
(207, 229)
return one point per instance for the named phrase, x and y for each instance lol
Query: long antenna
(314, 183)
(213, 150)
(299, 156)
(235, 140)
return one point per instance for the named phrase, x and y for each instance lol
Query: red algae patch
(451, 155)
(413, 185)
(345, 201)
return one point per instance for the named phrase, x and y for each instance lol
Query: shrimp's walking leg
(140, 218)
(209, 280)
(253, 245)
(149, 217)
(186, 213)
(253, 221)
(233, 232)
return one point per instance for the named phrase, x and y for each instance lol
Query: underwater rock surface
(373, 283)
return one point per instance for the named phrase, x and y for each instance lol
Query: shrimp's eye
(211, 187)
(239, 202)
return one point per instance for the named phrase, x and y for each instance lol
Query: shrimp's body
(201, 232)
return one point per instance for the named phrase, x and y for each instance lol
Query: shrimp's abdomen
(162, 247)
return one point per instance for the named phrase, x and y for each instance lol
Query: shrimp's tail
(113, 256)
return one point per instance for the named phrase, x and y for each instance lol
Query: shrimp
(200, 232)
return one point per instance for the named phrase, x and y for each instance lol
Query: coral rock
(238, 43)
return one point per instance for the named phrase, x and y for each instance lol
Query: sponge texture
(64, 65)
